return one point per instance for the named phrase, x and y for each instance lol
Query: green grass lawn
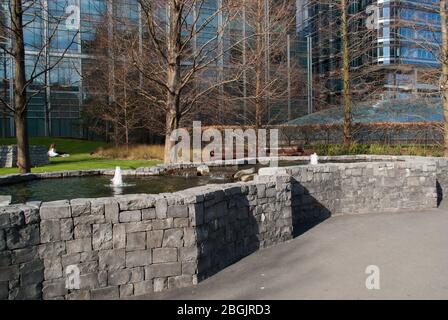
(80, 156)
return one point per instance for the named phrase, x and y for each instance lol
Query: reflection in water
(117, 190)
(100, 186)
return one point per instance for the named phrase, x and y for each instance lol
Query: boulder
(242, 173)
(247, 178)
(5, 201)
(203, 170)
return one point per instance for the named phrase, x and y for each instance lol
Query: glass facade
(69, 27)
(404, 44)
(66, 34)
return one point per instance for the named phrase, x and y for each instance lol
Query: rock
(136, 241)
(112, 260)
(163, 270)
(143, 287)
(139, 258)
(107, 293)
(248, 178)
(102, 236)
(154, 239)
(243, 173)
(5, 201)
(23, 237)
(173, 238)
(180, 282)
(164, 255)
(55, 210)
(203, 170)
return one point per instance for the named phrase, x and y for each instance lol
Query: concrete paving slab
(329, 262)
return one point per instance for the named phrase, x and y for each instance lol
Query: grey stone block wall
(21, 269)
(8, 156)
(357, 188)
(239, 220)
(442, 178)
(139, 244)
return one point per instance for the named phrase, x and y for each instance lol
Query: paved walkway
(329, 262)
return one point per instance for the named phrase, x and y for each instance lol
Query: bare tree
(35, 12)
(346, 75)
(271, 76)
(344, 57)
(4, 65)
(187, 48)
(424, 39)
(444, 63)
(112, 80)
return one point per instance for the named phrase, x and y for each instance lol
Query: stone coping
(161, 168)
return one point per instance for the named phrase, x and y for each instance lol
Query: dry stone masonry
(359, 188)
(21, 269)
(138, 244)
(8, 156)
(134, 245)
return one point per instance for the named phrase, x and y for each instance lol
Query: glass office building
(56, 110)
(402, 47)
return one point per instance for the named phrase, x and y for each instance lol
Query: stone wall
(133, 245)
(357, 188)
(21, 269)
(442, 178)
(241, 219)
(8, 156)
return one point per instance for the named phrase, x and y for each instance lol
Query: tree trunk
(346, 77)
(126, 121)
(173, 83)
(47, 105)
(444, 62)
(259, 51)
(23, 159)
(171, 125)
(116, 134)
(23, 156)
(47, 119)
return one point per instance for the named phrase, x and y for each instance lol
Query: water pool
(99, 186)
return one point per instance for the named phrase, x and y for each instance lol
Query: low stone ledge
(8, 156)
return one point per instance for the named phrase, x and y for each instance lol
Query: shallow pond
(99, 186)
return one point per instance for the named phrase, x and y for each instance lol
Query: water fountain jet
(117, 181)
(314, 159)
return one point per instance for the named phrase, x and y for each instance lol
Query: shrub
(137, 152)
(376, 149)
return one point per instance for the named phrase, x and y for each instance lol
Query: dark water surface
(99, 186)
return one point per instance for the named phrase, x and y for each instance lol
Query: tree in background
(344, 54)
(21, 16)
(183, 58)
(346, 76)
(113, 82)
(271, 76)
(444, 63)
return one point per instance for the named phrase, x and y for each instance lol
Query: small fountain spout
(118, 178)
(314, 159)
